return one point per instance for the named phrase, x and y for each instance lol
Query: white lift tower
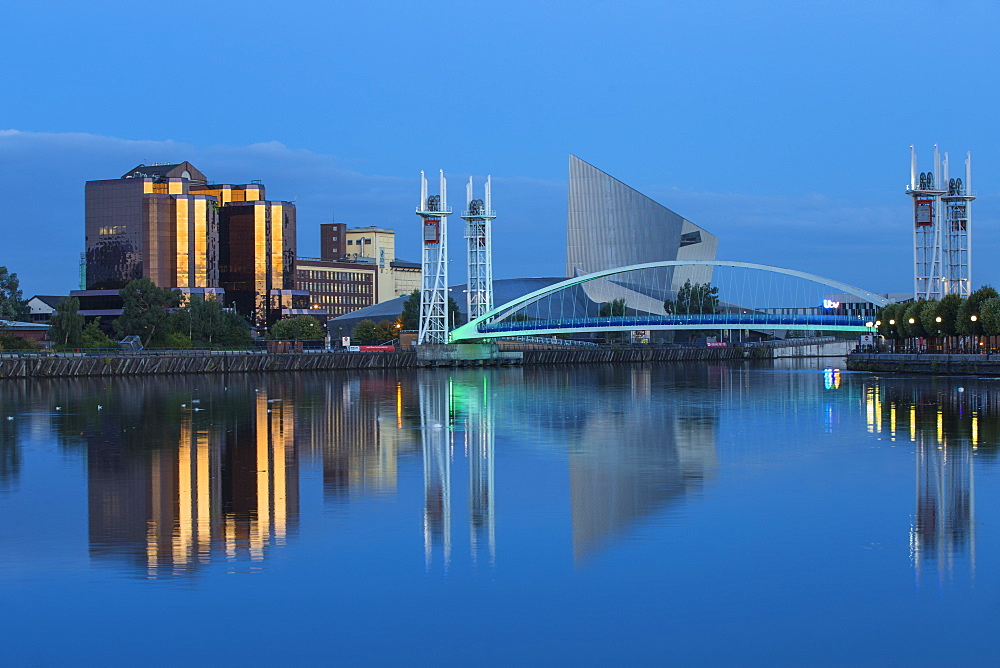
(942, 229)
(433, 211)
(478, 219)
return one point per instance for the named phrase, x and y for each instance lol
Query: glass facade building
(166, 222)
(257, 258)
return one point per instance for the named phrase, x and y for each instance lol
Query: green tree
(946, 309)
(146, 308)
(964, 322)
(67, 324)
(206, 324)
(410, 316)
(386, 331)
(990, 314)
(364, 332)
(12, 304)
(888, 319)
(299, 328)
(612, 309)
(911, 325)
(10, 342)
(694, 298)
(94, 337)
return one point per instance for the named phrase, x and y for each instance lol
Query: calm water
(666, 513)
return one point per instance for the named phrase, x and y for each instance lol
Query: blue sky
(781, 127)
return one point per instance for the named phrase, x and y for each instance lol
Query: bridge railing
(709, 321)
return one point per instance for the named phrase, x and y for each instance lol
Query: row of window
(329, 299)
(326, 286)
(335, 275)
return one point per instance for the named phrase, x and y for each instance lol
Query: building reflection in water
(196, 482)
(632, 457)
(944, 422)
(358, 429)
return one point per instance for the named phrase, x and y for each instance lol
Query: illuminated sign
(829, 303)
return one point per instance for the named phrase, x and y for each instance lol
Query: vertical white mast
(433, 211)
(957, 226)
(926, 189)
(478, 219)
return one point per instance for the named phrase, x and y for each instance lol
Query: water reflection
(219, 481)
(951, 422)
(186, 472)
(631, 457)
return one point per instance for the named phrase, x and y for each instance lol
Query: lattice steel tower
(433, 211)
(478, 219)
(942, 226)
(958, 228)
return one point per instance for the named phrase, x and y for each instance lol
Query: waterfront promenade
(983, 364)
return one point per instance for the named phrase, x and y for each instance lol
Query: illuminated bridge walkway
(743, 296)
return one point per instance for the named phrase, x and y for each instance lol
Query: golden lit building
(166, 222)
(152, 223)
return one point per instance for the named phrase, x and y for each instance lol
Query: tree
(912, 312)
(990, 314)
(694, 298)
(94, 337)
(964, 322)
(10, 342)
(612, 309)
(364, 332)
(67, 324)
(888, 318)
(947, 310)
(386, 331)
(12, 305)
(145, 310)
(299, 328)
(409, 319)
(206, 324)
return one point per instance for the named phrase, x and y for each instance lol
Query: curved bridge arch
(492, 324)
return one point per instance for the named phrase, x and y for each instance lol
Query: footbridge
(681, 295)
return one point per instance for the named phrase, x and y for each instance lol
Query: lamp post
(937, 333)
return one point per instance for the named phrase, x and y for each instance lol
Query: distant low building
(34, 331)
(43, 306)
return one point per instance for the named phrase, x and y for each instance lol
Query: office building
(168, 223)
(335, 288)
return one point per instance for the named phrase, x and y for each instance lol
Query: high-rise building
(166, 222)
(150, 223)
(257, 259)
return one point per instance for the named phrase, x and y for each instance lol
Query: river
(777, 512)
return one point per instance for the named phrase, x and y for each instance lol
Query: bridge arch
(739, 308)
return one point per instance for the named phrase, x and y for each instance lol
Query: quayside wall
(979, 365)
(135, 364)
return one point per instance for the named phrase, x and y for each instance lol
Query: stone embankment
(66, 365)
(979, 365)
